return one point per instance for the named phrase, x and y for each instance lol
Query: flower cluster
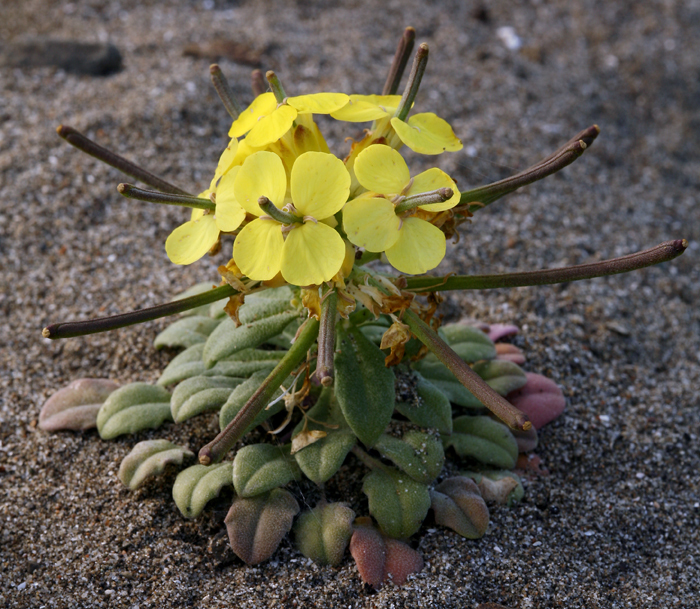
(298, 213)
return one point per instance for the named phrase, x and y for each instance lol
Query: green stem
(413, 84)
(325, 371)
(216, 450)
(275, 213)
(276, 86)
(153, 196)
(424, 198)
(668, 250)
(556, 161)
(225, 92)
(77, 139)
(369, 461)
(104, 324)
(497, 404)
(398, 65)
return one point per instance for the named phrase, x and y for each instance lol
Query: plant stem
(276, 86)
(153, 196)
(414, 78)
(77, 139)
(668, 250)
(216, 450)
(398, 65)
(560, 158)
(369, 461)
(424, 198)
(225, 92)
(497, 404)
(325, 371)
(257, 82)
(104, 324)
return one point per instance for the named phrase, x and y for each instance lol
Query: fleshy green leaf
(503, 376)
(322, 534)
(430, 406)
(259, 468)
(476, 345)
(186, 332)
(149, 459)
(446, 382)
(484, 439)
(364, 386)
(240, 395)
(201, 394)
(197, 485)
(75, 407)
(397, 502)
(228, 339)
(256, 525)
(241, 364)
(265, 304)
(458, 505)
(418, 454)
(133, 408)
(320, 460)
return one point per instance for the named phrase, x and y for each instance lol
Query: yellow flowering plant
(335, 356)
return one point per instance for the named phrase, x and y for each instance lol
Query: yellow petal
(432, 180)
(191, 240)
(371, 222)
(381, 169)
(313, 253)
(262, 106)
(272, 127)
(196, 212)
(427, 134)
(320, 184)
(229, 213)
(365, 108)
(257, 249)
(419, 248)
(318, 103)
(226, 159)
(261, 175)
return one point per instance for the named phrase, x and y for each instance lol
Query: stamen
(311, 219)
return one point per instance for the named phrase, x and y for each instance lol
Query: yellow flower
(412, 245)
(424, 133)
(191, 240)
(265, 121)
(312, 252)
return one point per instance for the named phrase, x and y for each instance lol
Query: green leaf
(470, 343)
(322, 459)
(132, 408)
(240, 396)
(228, 339)
(257, 525)
(446, 382)
(186, 332)
(484, 439)
(260, 306)
(458, 505)
(418, 454)
(259, 468)
(503, 376)
(430, 406)
(149, 459)
(197, 485)
(322, 534)
(241, 364)
(201, 394)
(364, 386)
(398, 503)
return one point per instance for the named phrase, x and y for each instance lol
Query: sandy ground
(616, 522)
